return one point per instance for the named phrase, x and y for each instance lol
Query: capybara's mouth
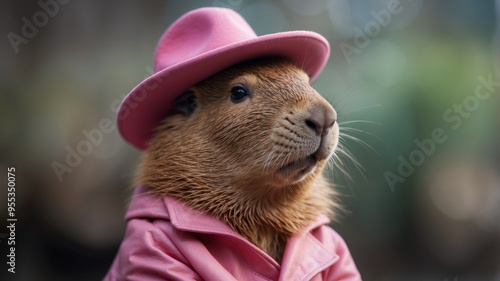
(302, 166)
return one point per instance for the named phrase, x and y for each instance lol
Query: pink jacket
(166, 240)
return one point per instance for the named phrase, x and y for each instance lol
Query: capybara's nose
(321, 118)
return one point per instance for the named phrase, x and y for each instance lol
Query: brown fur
(224, 159)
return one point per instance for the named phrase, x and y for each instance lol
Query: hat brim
(152, 99)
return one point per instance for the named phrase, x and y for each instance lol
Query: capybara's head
(248, 145)
(257, 128)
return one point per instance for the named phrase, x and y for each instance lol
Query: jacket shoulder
(149, 251)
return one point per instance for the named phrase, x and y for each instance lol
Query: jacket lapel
(305, 255)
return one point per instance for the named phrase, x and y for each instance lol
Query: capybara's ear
(186, 103)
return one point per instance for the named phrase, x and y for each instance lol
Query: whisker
(342, 168)
(352, 158)
(344, 152)
(361, 142)
(359, 121)
(350, 129)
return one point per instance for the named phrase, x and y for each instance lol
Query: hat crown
(199, 32)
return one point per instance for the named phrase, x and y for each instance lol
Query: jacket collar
(188, 219)
(183, 217)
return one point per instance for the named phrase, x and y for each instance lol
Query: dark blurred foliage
(442, 222)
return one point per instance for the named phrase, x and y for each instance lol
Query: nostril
(311, 124)
(314, 126)
(333, 123)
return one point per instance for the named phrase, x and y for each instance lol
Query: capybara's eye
(239, 93)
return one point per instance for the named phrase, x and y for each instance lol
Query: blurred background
(416, 81)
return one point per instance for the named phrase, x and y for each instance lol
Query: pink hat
(198, 45)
